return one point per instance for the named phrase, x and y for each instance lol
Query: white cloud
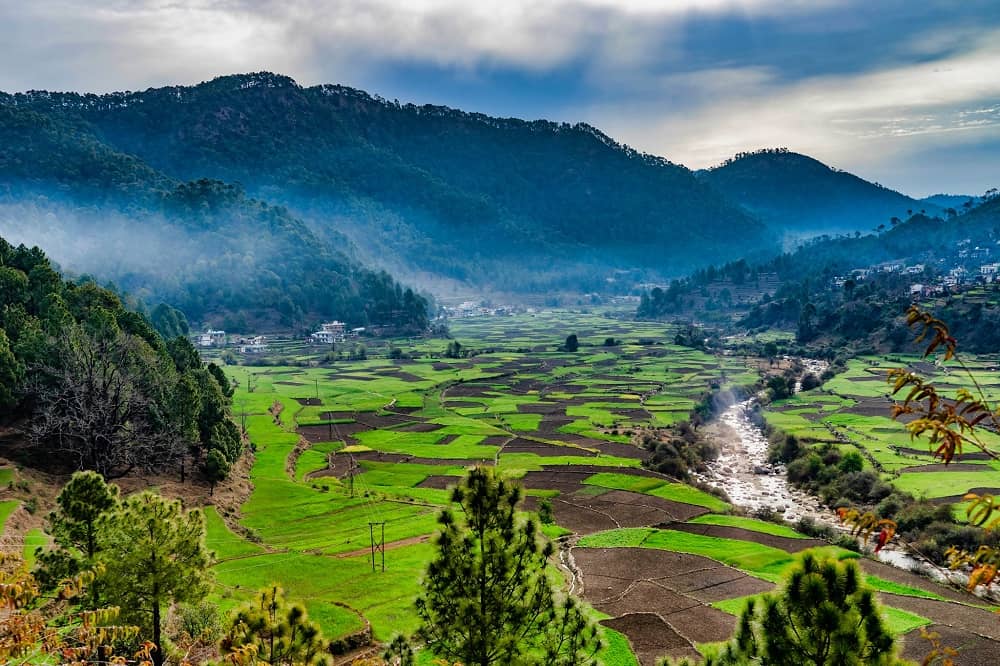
(863, 122)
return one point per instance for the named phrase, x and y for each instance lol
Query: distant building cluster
(945, 280)
(479, 309)
(333, 332)
(250, 344)
(212, 338)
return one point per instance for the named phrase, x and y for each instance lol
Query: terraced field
(662, 565)
(853, 408)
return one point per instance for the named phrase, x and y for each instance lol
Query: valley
(343, 450)
(590, 333)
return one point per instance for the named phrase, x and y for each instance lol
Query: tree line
(95, 387)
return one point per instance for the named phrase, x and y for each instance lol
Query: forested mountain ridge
(798, 195)
(851, 291)
(203, 246)
(460, 194)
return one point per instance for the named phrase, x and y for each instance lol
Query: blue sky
(903, 93)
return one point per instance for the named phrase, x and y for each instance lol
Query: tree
(11, 373)
(216, 468)
(73, 526)
(275, 632)
(771, 351)
(571, 344)
(153, 554)
(487, 599)
(99, 403)
(779, 387)
(823, 616)
(39, 628)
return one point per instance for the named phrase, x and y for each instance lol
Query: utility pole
(377, 546)
(350, 474)
(243, 417)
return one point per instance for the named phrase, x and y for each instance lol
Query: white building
(253, 345)
(212, 338)
(329, 333)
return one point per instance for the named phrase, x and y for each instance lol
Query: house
(253, 345)
(917, 289)
(329, 333)
(890, 267)
(915, 269)
(212, 338)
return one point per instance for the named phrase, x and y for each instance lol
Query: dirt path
(392, 545)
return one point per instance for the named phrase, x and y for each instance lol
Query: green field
(397, 433)
(854, 406)
(523, 406)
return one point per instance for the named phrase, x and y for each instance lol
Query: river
(752, 483)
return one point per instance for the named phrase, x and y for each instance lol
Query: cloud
(865, 122)
(862, 85)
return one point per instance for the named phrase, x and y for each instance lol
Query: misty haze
(584, 332)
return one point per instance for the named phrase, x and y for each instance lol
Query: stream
(752, 483)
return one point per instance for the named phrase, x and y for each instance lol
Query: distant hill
(960, 202)
(503, 203)
(799, 196)
(203, 246)
(808, 289)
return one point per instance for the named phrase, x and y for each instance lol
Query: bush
(200, 621)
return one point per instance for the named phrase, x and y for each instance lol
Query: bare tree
(105, 405)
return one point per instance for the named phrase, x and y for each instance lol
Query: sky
(904, 93)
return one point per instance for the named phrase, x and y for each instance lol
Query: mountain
(851, 291)
(960, 202)
(204, 246)
(499, 202)
(799, 196)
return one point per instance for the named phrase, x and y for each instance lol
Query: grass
(943, 484)
(7, 507)
(677, 492)
(34, 539)
(307, 526)
(756, 559)
(221, 540)
(751, 524)
(897, 621)
(882, 585)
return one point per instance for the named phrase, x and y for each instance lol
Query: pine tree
(824, 616)
(153, 554)
(487, 598)
(273, 631)
(73, 526)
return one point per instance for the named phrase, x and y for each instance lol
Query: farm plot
(696, 583)
(853, 409)
(343, 447)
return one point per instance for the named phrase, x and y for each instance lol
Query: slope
(204, 246)
(799, 196)
(459, 194)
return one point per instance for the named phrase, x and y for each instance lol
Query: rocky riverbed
(753, 483)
